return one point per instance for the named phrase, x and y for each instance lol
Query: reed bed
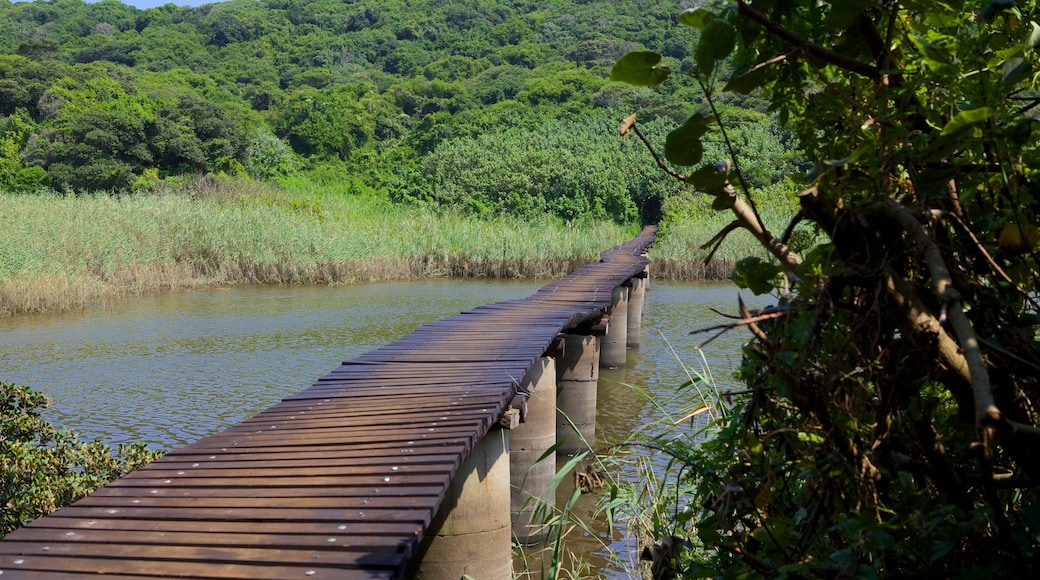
(62, 252)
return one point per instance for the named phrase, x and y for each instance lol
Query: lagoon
(172, 368)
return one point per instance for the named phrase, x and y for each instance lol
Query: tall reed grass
(61, 252)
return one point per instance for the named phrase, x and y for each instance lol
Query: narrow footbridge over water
(388, 467)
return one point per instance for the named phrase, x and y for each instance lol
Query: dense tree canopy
(118, 98)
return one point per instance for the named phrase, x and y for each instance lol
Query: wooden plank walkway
(338, 481)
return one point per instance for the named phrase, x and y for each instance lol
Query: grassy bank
(62, 252)
(58, 253)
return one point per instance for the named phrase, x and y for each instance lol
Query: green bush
(43, 468)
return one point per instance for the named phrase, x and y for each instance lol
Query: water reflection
(657, 369)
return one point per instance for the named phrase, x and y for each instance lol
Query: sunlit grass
(61, 252)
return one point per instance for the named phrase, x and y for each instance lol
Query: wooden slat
(338, 481)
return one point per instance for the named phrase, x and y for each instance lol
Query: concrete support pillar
(530, 493)
(577, 377)
(636, 296)
(471, 534)
(615, 341)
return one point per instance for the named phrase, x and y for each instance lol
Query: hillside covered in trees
(496, 107)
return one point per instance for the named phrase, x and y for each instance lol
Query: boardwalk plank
(346, 540)
(258, 516)
(62, 522)
(173, 561)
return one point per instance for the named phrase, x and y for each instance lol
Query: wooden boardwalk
(339, 481)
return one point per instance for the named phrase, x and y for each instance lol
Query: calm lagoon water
(170, 369)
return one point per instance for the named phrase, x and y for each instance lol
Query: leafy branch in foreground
(890, 423)
(43, 468)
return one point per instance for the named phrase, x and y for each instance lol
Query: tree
(561, 84)
(269, 157)
(23, 81)
(14, 133)
(97, 150)
(890, 423)
(331, 122)
(193, 135)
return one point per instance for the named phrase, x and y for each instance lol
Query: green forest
(497, 108)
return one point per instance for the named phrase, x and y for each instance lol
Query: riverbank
(59, 253)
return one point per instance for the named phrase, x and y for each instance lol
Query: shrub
(43, 468)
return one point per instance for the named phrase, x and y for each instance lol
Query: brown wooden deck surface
(339, 481)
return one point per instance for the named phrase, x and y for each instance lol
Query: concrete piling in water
(615, 342)
(636, 300)
(577, 376)
(529, 478)
(471, 534)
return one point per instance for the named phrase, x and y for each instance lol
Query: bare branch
(749, 221)
(716, 241)
(755, 330)
(747, 318)
(630, 124)
(986, 256)
(871, 116)
(1010, 355)
(955, 198)
(791, 225)
(986, 411)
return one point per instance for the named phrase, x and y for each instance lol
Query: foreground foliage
(890, 423)
(43, 468)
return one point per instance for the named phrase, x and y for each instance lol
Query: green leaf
(966, 120)
(1014, 70)
(844, 12)
(683, 145)
(933, 181)
(708, 180)
(1020, 133)
(696, 17)
(935, 57)
(723, 201)
(1034, 35)
(755, 274)
(936, 14)
(746, 82)
(639, 68)
(716, 43)
(708, 535)
(682, 150)
(814, 438)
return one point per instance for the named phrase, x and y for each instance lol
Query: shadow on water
(672, 310)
